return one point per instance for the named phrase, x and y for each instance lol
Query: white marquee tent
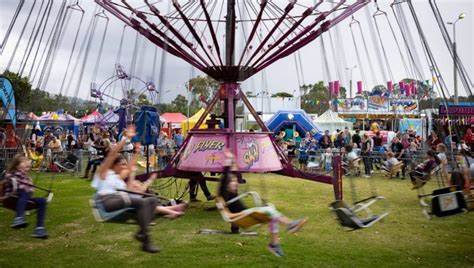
(331, 121)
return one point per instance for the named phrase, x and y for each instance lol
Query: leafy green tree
(203, 86)
(180, 104)
(282, 95)
(143, 100)
(315, 98)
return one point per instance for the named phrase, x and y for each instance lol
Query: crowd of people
(117, 188)
(376, 151)
(113, 159)
(46, 147)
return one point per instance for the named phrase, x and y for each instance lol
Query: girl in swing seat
(18, 171)
(228, 190)
(108, 182)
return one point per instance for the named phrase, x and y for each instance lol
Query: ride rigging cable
(42, 28)
(47, 47)
(434, 67)
(384, 14)
(33, 30)
(118, 60)
(87, 50)
(325, 61)
(407, 37)
(381, 64)
(21, 35)
(71, 53)
(52, 44)
(336, 59)
(384, 52)
(465, 79)
(101, 47)
(359, 60)
(10, 27)
(142, 58)
(44, 78)
(339, 43)
(366, 50)
(70, 9)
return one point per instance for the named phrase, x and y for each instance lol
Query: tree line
(315, 98)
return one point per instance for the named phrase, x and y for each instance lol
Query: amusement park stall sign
(350, 106)
(404, 106)
(254, 153)
(458, 110)
(377, 104)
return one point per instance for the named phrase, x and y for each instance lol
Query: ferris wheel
(124, 90)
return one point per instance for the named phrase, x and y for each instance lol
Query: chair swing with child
(445, 200)
(9, 197)
(245, 220)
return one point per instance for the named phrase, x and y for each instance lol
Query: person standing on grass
(21, 185)
(356, 138)
(108, 182)
(366, 151)
(178, 139)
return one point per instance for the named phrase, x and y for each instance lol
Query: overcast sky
(281, 76)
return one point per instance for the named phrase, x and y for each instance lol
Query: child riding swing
(234, 211)
(17, 194)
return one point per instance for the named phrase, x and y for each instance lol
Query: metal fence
(6, 154)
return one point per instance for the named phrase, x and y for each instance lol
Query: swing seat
(352, 167)
(444, 202)
(101, 215)
(242, 220)
(347, 215)
(69, 163)
(392, 172)
(9, 199)
(421, 178)
(9, 202)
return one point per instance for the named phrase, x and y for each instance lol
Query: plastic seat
(422, 178)
(243, 220)
(443, 202)
(390, 173)
(347, 216)
(101, 215)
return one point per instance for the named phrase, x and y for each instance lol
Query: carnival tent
(172, 121)
(331, 121)
(55, 116)
(58, 122)
(111, 117)
(171, 118)
(92, 118)
(189, 123)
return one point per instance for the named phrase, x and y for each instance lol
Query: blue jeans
(23, 198)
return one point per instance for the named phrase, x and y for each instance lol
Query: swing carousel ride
(230, 41)
(203, 33)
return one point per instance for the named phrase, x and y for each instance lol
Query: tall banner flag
(7, 99)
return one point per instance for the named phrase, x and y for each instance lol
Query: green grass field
(405, 238)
